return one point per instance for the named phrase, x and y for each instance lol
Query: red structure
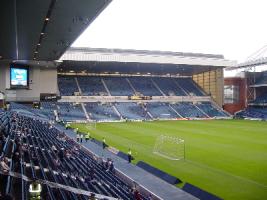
(235, 93)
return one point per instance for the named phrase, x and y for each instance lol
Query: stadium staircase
(131, 85)
(105, 86)
(182, 89)
(79, 88)
(156, 86)
(202, 110)
(180, 116)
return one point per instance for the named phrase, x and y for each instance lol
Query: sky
(234, 28)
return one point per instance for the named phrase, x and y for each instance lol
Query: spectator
(92, 173)
(54, 148)
(61, 154)
(92, 196)
(137, 195)
(4, 164)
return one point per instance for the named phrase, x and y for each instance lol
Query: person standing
(104, 142)
(81, 138)
(78, 137)
(87, 137)
(129, 155)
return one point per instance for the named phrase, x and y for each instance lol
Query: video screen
(19, 77)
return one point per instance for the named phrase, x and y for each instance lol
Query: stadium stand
(168, 86)
(144, 86)
(39, 151)
(118, 86)
(69, 112)
(189, 86)
(160, 110)
(101, 112)
(91, 86)
(253, 112)
(262, 99)
(189, 110)
(140, 86)
(132, 111)
(67, 85)
(210, 109)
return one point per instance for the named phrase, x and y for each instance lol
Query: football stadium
(100, 123)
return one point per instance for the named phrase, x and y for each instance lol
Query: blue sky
(234, 28)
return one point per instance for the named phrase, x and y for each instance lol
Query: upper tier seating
(160, 110)
(132, 111)
(189, 86)
(144, 86)
(262, 99)
(91, 86)
(188, 110)
(101, 112)
(67, 85)
(70, 112)
(39, 151)
(169, 87)
(118, 86)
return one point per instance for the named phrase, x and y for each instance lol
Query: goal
(170, 147)
(91, 125)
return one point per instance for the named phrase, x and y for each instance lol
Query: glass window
(231, 94)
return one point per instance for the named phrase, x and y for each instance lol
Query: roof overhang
(43, 29)
(139, 56)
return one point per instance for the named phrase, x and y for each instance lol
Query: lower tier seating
(39, 151)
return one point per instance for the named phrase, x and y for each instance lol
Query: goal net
(91, 125)
(170, 147)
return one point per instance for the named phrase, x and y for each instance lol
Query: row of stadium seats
(253, 112)
(128, 86)
(262, 99)
(39, 151)
(129, 110)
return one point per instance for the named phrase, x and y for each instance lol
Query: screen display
(18, 77)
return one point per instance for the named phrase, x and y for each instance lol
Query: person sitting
(4, 164)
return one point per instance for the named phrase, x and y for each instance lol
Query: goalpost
(91, 125)
(170, 147)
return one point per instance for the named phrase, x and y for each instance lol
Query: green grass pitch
(225, 157)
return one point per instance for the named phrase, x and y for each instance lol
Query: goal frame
(159, 145)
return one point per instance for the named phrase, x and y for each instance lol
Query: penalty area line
(226, 173)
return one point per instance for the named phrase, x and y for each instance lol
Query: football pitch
(225, 157)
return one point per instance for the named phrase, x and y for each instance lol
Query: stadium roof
(43, 29)
(96, 60)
